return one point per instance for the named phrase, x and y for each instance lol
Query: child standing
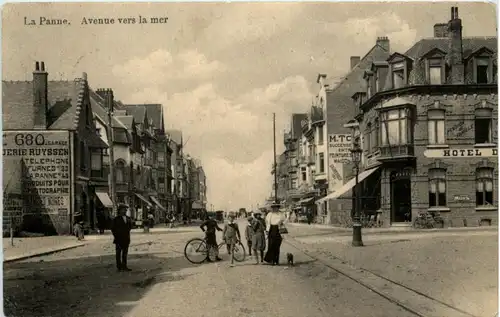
(249, 235)
(231, 236)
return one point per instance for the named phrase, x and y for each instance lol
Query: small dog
(289, 259)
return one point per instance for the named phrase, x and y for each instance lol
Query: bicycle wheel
(196, 251)
(239, 252)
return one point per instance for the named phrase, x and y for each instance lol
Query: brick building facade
(428, 125)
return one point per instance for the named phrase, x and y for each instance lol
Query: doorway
(400, 197)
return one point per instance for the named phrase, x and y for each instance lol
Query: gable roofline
(397, 54)
(358, 66)
(478, 51)
(432, 51)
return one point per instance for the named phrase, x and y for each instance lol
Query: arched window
(120, 172)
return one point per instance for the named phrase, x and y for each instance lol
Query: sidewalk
(321, 229)
(25, 248)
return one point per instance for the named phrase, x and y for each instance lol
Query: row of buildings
(57, 141)
(426, 119)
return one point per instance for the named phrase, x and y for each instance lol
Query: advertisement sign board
(339, 154)
(46, 171)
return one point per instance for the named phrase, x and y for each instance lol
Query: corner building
(428, 123)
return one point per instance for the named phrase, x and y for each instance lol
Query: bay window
(437, 187)
(435, 126)
(483, 126)
(396, 127)
(484, 186)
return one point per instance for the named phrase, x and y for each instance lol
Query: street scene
(83, 281)
(250, 159)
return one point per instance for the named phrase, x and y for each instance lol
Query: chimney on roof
(455, 53)
(109, 99)
(101, 93)
(441, 30)
(40, 96)
(354, 61)
(383, 41)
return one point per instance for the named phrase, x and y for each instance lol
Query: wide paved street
(83, 282)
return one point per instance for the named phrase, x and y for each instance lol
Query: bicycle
(200, 247)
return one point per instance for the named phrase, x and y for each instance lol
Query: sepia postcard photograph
(250, 159)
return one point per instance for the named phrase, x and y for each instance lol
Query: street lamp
(356, 153)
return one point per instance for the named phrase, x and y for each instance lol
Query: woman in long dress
(273, 221)
(258, 238)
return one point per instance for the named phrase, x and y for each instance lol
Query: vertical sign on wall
(339, 154)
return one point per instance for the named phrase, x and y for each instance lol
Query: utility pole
(275, 165)
(112, 184)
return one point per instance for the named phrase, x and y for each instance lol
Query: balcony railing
(396, 151)
(311, 160)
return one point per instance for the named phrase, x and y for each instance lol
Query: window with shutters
(437, 187)
(483, 126)
(436, 126)
(484, 187)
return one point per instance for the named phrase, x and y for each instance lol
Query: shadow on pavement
(85, 287)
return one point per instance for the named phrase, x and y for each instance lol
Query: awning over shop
(144, 199)
(104, 199)
(347, 186)
(157, 203)
(305, 201)
(196, 205)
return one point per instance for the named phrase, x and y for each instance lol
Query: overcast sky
(221, 70)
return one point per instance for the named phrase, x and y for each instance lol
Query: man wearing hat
(122, 225)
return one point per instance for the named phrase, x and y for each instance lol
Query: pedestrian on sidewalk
(249, 235)
(78, 230)
(231, 236)
(122, 225)
(274, 220)
(258, 238)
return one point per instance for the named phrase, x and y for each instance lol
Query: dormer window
(483, 70)
(398, 75)
(435, 71)
(482, 66)
(368, 76)
(400, 67)
(377, 83)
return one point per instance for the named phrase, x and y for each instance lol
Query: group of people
(255, 235)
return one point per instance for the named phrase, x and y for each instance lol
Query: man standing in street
(122, 225)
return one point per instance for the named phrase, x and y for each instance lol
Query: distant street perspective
(443, 273)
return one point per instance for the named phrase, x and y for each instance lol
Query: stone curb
(416, 303)
(42, 253)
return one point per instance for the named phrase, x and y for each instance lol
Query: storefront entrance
(400, 196)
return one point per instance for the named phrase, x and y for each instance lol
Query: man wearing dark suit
(121, 233)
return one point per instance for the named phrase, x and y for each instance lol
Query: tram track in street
(409, 299)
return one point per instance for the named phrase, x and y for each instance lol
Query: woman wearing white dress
(273, 221)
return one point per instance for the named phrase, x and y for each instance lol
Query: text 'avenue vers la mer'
(49, 21)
